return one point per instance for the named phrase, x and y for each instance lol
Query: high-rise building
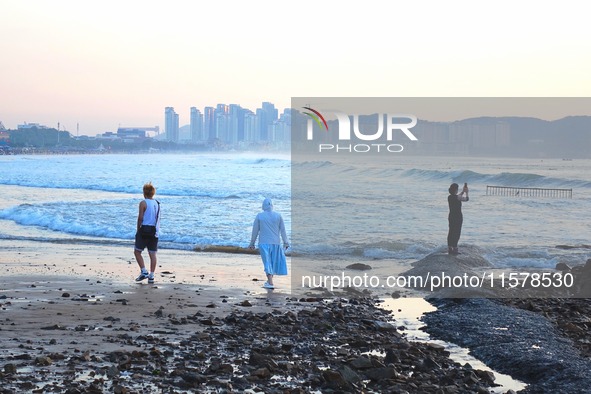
(171, 124)
(221, 126)
(282, 128)
(261, 126)
(236, 129)
(209, 123)
(268, 114)
(222, 122)
(197, 134)
(250, 126)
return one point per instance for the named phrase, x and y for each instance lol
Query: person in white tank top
(148, 231)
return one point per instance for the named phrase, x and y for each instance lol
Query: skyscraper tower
(171, 124)
(268, 114)
(236, 130)
(250, 126)
(222, 122)
(209, 123)
(197, 134)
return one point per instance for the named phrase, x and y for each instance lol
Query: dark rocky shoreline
(524, 344)
(179, 338)
(328, 346)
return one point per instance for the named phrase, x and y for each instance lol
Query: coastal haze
(104, 65)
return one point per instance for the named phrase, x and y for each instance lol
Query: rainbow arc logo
(318, 118)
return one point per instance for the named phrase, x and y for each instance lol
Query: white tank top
(150, 213)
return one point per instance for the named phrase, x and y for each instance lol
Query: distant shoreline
(58, 151)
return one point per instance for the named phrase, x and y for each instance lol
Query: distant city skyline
(95, 66)
(231, 124)
(172, 119)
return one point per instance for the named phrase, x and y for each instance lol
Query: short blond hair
(149, 190)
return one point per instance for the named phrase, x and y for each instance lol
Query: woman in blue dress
(268, 226)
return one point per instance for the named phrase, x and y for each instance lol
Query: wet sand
(73, 320)
(80, 285)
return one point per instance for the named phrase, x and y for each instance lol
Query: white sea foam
(351, 208)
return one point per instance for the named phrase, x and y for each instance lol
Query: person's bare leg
(270, 279)
(153, 261)
(140, 259)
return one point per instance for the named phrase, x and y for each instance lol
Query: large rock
(449, 275)
(582, 280)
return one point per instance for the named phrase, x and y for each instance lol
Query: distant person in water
(455, 217)
(268, 226)
(147, 232)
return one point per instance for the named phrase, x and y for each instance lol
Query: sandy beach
(73, 320)
(73, 299)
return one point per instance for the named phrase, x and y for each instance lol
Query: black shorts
(142, 242)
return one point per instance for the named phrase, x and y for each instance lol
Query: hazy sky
(108, 63)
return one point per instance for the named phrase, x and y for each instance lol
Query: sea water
(212, 199)
(408, 313)
(397, 209)
(206, 199)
